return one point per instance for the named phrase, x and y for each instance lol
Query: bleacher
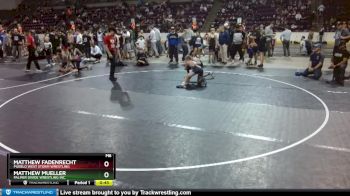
(34, 15)
(255, 13)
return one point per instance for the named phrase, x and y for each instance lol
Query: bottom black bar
(118, 192)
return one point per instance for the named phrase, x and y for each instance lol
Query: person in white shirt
(141, 51)
(96, 52)
(140, 44)
(187, 36)
(269, 35)
(100, 35)
(127, 43)
(321, 8)
(48, 51)
(159, 40)
(285, 38)
(298, 16)
(79, 40)
(153, 39)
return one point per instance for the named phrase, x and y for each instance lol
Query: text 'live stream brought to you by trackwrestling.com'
(103, 192)
(124, 192)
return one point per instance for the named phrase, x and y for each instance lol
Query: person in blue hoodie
(173, 41)
(224, 41)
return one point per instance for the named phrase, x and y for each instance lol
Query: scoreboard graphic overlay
(61, 169)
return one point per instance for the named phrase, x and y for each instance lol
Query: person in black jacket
(87, 44)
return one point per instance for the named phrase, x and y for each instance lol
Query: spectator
(303, 49)
(212, 42)
(96, 52)
(126, 35)
(87, 45)
(17, 41)
(48, 51)
(338, 35)
(79, 39)
(345, 34)
(321, 34)
(321, 9)
(298, 16)
(99, 36)
(238, 40)
(140, 44)
(159, 40)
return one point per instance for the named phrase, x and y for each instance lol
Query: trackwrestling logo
(32, 192)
